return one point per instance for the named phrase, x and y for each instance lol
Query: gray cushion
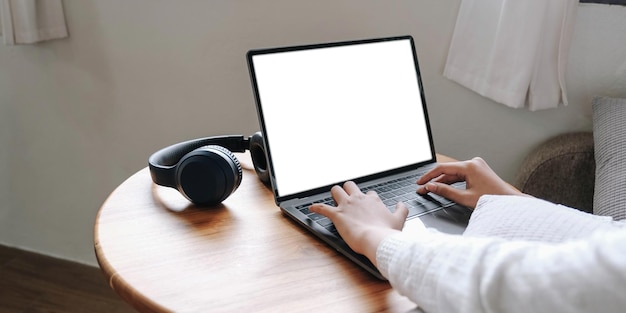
(609, 132)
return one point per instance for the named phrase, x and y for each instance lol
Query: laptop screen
(342, 111)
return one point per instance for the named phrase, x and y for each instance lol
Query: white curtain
(514, 52)
(31, 21)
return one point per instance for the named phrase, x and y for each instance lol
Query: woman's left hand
(362, 220)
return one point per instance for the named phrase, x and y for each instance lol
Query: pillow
(609, 134)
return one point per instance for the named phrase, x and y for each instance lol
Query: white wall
(78, 116)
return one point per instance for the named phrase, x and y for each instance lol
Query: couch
(583, 170)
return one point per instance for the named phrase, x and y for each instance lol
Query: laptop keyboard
(403, 189)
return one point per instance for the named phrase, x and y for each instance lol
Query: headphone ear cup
(208, 175)
(259, 158)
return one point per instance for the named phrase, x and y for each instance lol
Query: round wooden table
(162, 254)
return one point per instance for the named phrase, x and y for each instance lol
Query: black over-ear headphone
(205, 170)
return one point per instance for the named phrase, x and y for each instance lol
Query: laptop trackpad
(451, 220)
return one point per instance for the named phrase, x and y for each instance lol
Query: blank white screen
(338, 113)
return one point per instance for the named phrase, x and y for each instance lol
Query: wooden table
(161, 254)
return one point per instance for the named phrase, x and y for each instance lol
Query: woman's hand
(479, 178)
(362, 220)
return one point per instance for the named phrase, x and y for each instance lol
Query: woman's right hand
(479, 178)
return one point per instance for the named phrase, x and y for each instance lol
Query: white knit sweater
(518, 254)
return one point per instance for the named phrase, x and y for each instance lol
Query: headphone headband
(163, 162)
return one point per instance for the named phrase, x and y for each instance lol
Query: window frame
(616, 2)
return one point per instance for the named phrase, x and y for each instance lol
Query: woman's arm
(451, 273)
(475, 273)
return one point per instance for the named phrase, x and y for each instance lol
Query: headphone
(205, 170)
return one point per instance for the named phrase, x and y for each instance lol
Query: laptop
(341, 111)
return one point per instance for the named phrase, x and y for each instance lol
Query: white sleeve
(452, 273)
(528, 218)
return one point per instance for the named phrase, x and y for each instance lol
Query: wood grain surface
(161, 254)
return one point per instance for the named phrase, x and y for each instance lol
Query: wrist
(371, 240)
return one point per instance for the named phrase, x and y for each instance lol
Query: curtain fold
(31, 21)
(513, 52)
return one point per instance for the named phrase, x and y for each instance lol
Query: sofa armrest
(561, 170)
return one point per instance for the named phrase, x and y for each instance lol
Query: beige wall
(78, 116)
